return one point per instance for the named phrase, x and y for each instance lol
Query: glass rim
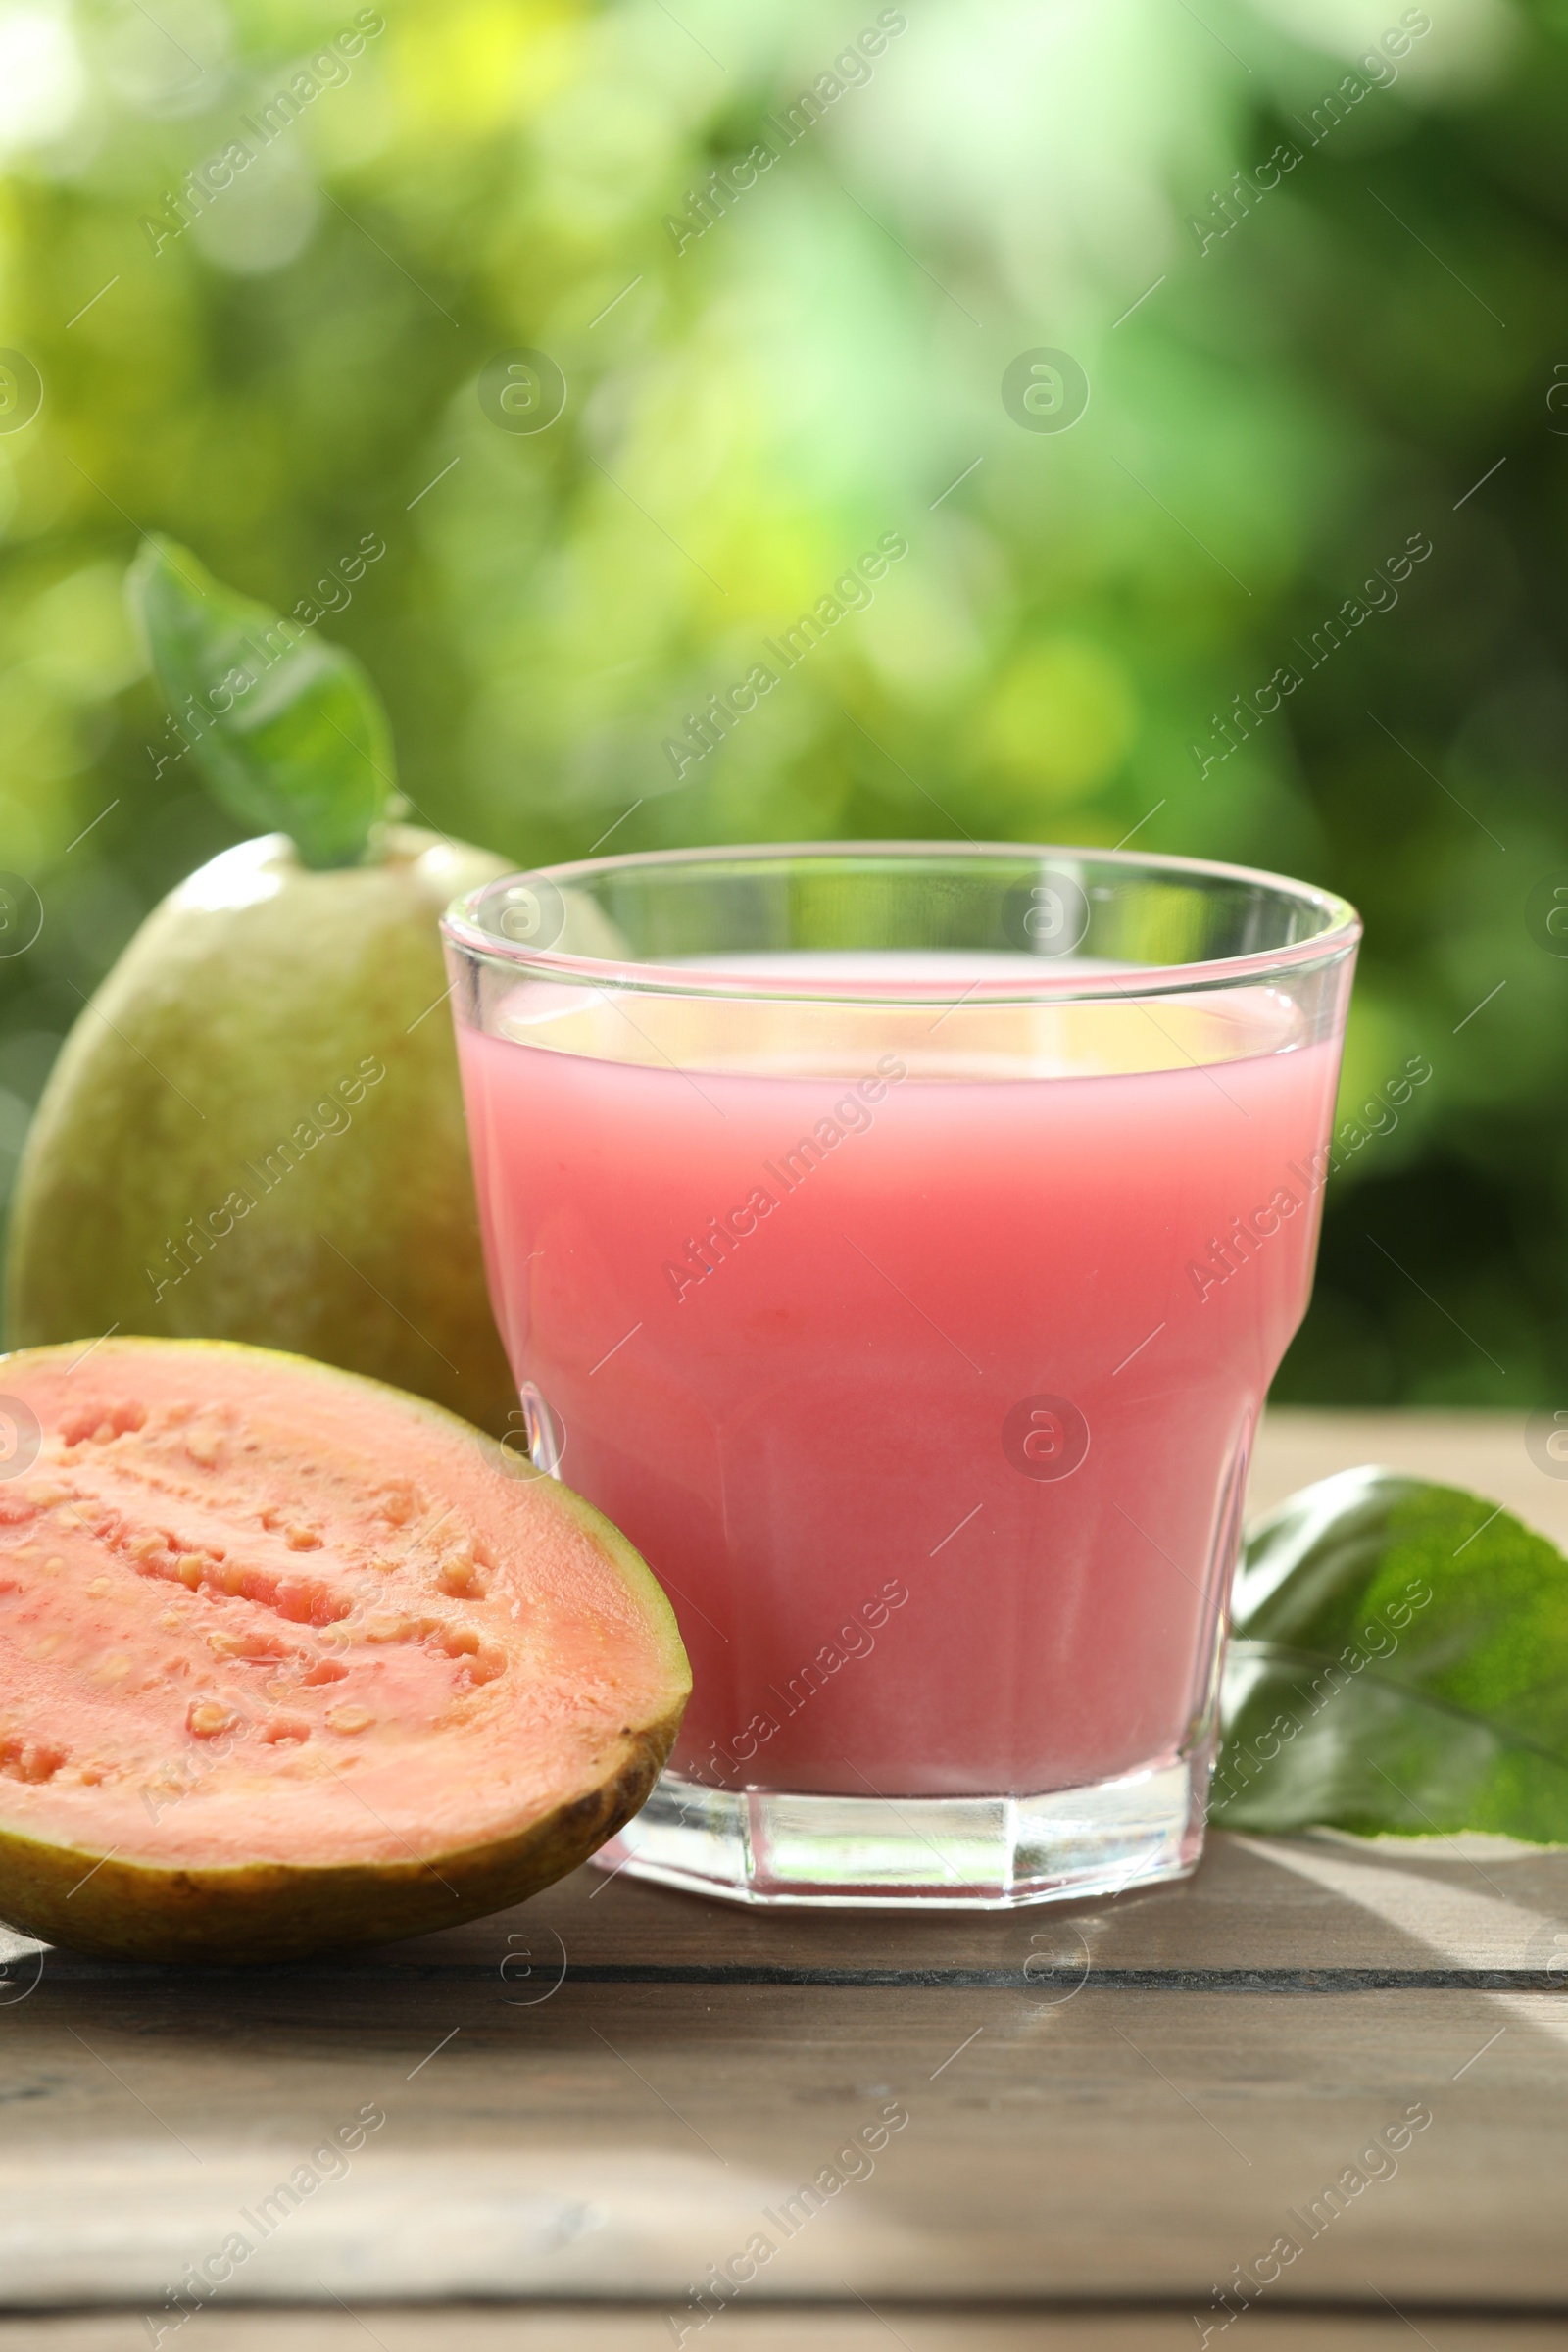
(1058, 981)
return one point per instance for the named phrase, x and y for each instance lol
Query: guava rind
(245, 1913)
(240, 1018)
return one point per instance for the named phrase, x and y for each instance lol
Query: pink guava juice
(917, 1352)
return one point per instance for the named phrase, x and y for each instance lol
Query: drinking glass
(898, 1241)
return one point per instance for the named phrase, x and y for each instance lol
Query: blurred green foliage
(1290, 374)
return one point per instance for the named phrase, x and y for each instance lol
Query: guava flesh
(290, 1659)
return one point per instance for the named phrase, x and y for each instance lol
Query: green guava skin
(250, 1011)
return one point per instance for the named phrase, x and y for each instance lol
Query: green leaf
(286, 728)
(1399, 1661)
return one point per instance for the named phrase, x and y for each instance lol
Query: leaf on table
(1399, 1661)
(287, 729)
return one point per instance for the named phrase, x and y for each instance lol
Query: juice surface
(924, 1375)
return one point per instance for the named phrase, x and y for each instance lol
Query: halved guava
(289, 1659)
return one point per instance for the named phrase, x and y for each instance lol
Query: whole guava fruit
(254, 1130)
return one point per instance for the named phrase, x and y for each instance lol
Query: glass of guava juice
(897, 1241)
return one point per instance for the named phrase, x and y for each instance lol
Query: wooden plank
(1485, 1451)
(1425, 1909)
(608, 2091)
(619, 2141)
(1319, 1903)
(804, 2328)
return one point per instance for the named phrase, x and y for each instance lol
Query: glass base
(961, 1853)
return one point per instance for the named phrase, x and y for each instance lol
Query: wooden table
(591, 2100)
